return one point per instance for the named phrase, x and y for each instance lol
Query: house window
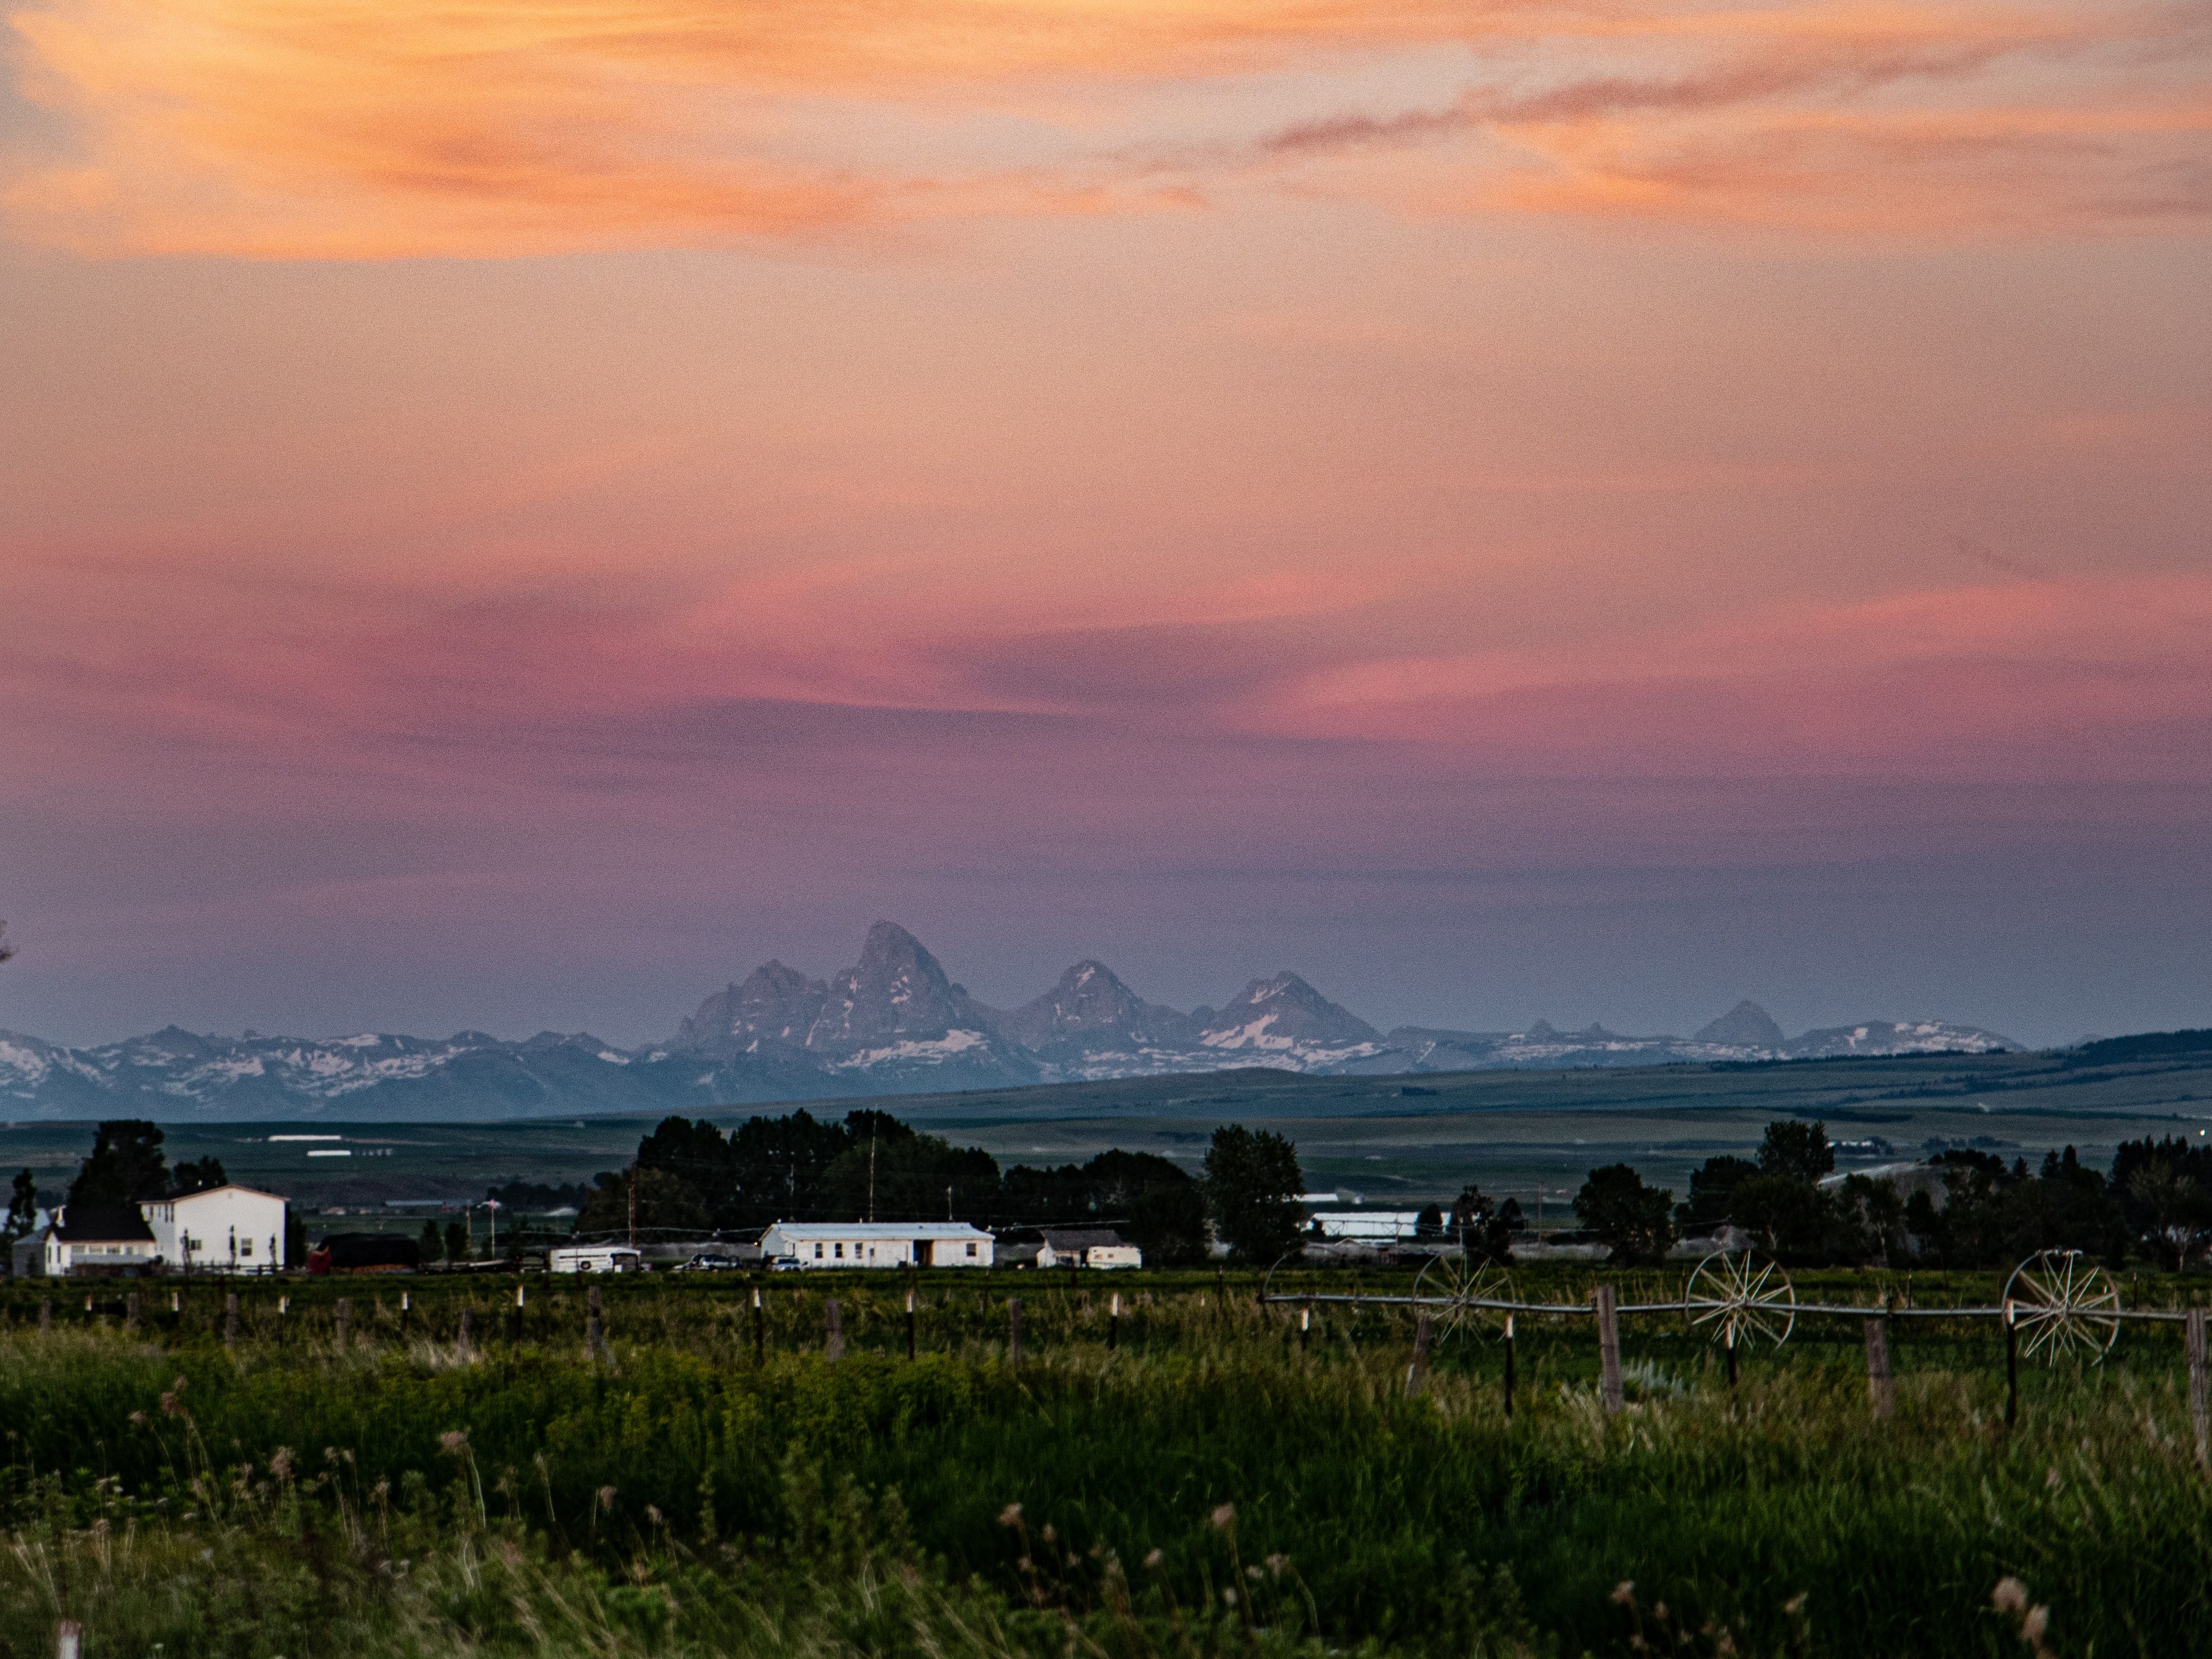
(817, 1253)
(971, 1249)
(840, 1253)
(246, 1246)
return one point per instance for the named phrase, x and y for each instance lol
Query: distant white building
(84, 1238)
(878, 1244)
(1367, 1226)
(230, 1230)
(1087, 1246)
(594, 1259)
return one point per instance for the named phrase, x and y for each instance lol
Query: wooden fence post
(1113, 1323)
(345, 1318)
(45, 1315)
(468, 1338)
(1877, 1352)
(1423, 1330)
(2200, 1387)
(760, 1326)
(131, 1312)
(69, 1638)
(1305, 1328)
(1013, 1330)
(1509, 1368)
(595, 1326)
(833, 1316)
(1609, 1348)
(515, 1323)
(230, 1320)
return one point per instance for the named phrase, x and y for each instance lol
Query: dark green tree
(126, 1166)
(196, 1176)
(910, 1177)
(428, 1247)
(776, 1167)
(296, 1238)
(23, 1205)
(697, 1155)
(664, 1203)
(457, 1240)
(1252, 1187)
(1712, 1184)
(1634, 1219)
(1168, 1222)
(1484, 1227)
(1796, 1151)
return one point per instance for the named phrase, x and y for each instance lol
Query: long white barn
(877, 1244)
(232, 1229)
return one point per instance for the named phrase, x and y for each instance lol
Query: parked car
(706, 1264)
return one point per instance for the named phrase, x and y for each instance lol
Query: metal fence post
(760, 1326)
(909, 1323)
(2012, 1365)
(1114, 1324)
(1609, 1348)
(69, 1638)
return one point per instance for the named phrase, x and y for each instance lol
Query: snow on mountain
(1903, 1037)
(893, 1023)
(1285, 1019)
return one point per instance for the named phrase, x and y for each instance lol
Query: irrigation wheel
(2064, 1305)
(1742, 1299)
(1453, 1285)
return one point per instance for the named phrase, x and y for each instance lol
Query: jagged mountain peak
(1285, 1015)
(1746, 1025)
(1091, 1008)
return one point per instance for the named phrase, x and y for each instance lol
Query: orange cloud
(385, 128)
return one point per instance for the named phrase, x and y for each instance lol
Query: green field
(1205, 1484)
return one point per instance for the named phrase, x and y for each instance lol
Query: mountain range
(893, 1023)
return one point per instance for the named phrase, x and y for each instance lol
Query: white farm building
(231, 1229)
(877, 1244)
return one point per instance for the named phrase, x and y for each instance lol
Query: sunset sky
(512, 515)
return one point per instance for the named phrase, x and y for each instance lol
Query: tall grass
(1147, 1496)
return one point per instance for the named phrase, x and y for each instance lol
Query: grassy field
(1204, 1484)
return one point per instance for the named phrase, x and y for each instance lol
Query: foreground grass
(1207, 1488)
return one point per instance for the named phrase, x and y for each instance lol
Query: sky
(512, 515)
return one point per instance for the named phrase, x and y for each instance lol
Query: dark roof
(82, 1224)
(1081, 1239)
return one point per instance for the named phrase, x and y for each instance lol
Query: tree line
(2157, 1200)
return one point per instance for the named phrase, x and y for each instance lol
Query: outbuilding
(877, 1244)
(93, 1240)
(1088, 1247)
(228, 1229)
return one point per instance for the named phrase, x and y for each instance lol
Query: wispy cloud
(348, 129)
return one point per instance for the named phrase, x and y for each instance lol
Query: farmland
(1530, 1135)
(1202, 1483)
